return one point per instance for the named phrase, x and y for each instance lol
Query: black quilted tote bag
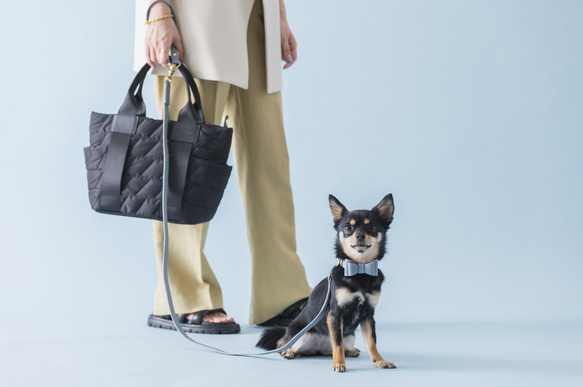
(125, 160)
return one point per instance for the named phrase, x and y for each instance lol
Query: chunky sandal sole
(204, 327)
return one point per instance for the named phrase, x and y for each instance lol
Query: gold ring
(164, 51)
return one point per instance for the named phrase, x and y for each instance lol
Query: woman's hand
(161, 35)
(289, 45)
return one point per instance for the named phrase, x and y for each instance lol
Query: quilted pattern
(141, 187)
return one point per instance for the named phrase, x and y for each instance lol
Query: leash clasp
(332, 271)
(171, 70)
(173, 63)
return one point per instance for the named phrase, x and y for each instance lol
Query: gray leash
(174, 64)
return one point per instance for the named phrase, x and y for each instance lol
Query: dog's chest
(355, 305)
(349, 298)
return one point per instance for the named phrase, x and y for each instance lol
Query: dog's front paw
(288, 354)
(384, 364)
(352, 352)
(339, 367)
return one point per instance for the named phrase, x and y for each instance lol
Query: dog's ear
(337, 208)
(385, 209)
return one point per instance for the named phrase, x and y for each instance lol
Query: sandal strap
(294, 309)
(199, 316)
(196, 318)
(287, 315)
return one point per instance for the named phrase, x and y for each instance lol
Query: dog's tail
(270, 338)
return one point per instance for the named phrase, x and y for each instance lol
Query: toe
(217, 317)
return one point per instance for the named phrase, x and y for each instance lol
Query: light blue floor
(469, 112)
(541, 354)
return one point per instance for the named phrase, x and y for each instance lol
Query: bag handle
(174, 63)
(192, 110)
(134, 104)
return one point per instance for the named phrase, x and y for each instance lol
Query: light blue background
(469, 112)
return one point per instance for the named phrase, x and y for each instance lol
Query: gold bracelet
(149, 22)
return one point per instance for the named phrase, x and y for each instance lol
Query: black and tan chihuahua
(355, 290)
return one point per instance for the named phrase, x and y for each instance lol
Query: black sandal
(287, 316)
(195, 324)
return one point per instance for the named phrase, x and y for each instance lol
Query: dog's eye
(348, 228)
(372, 229)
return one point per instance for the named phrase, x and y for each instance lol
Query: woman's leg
(193, 284)
(262, 163)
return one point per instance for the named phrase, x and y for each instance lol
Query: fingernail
(289, 59)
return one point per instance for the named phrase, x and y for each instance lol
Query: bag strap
(165, 217)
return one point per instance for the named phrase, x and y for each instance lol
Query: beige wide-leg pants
(262, 164)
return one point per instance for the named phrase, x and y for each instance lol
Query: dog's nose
(360, 237)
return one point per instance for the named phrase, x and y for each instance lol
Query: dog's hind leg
(335, 328)
(288, 353)
(368, 333)
(271, 338)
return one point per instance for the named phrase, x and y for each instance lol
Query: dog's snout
(360, 237)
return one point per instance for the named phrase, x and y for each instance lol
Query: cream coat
(214, 34)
